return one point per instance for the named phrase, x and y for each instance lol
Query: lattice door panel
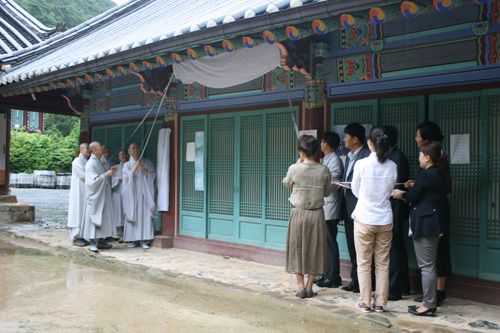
(350, 112)
(221, 161)
(280, 154)
(114, 139)
(493, 200)
(130, 136)
(99, 134)
(404, 114)
(460, 114)
(251, 166)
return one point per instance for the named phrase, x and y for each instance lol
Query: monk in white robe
(77, 197)
(106, 159)
(116, 195)
(99, 209)
(138, 199)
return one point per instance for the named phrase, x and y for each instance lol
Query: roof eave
(205, 36)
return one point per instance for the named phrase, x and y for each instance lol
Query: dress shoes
(353, 286)
(319, 278)
(327, 283)
(414, 311)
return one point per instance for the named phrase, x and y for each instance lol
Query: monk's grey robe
(116, 196)
(138, 201)
(99, 209)
(108, 163)
(77, 198)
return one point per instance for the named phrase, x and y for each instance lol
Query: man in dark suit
(354, 141)
(399, 280)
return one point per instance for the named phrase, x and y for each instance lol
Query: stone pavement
(455, 315)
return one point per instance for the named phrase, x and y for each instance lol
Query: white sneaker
(144, 245)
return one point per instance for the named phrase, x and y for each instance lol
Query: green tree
(71, 12)
(29, 152)
(55, 123)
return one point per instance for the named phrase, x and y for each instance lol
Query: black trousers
(399, 278)
(349, 235)
(332, 251)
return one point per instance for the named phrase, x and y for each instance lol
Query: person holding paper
(355, 141)
(429, 212)
(427, 132)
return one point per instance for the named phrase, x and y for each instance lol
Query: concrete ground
(270, 281)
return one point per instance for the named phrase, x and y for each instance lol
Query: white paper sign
(309, 132)
(190, 150)
(460, 148)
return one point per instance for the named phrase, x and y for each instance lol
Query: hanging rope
(156, 116)
(164, 93)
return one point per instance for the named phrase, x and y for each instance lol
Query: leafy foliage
(71, 12)
(29, 152)
(60, 124)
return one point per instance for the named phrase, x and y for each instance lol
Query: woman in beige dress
(306, 238)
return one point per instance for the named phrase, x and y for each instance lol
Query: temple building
(235, 81)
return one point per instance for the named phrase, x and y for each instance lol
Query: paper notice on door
(460, 149)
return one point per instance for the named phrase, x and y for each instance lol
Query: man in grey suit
(331, 278)
(354, 141)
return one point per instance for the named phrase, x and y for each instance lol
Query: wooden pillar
(5, 115)
(314, 117)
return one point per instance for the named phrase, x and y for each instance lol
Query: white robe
(77, 198)
(138, 201)
(99, 210)
(116, 196)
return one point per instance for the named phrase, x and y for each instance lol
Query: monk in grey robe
(116, 194)
(77, 197)
(99, 209)
(138, 199)
(106, 159)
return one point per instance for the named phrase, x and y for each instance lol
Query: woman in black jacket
(428, 220)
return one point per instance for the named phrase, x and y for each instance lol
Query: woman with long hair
(372, 183)
(429, 131)
(306, 238)
(428, 216)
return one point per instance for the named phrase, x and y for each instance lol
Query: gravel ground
(51, 206)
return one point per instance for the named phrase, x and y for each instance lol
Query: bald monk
(138, 199)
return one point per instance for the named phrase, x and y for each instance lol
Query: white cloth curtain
(229, 69)
(163, 168)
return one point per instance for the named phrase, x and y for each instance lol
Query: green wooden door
(246, 157)
(475, 223)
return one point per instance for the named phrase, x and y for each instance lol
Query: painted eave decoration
(238, 11)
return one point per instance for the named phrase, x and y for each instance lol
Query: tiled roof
(18, 29)
(133, 24)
